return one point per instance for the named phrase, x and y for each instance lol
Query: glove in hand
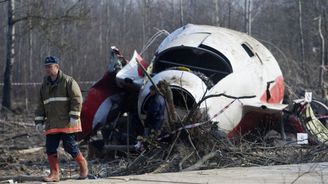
(39, 128)
(73, 121)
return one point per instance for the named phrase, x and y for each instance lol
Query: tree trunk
(173, 18)
(181, 13)
(6, 98)
(301, 32)
(144, 21)
(109, 23)
(216, 13)
(229, 14)
(30, 44)
(249, 28)
(321, 73)
(248, 17)
(123, 24)
(245, 13)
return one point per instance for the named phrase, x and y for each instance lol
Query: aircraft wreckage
(211, 75)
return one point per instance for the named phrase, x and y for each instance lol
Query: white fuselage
(237, 64)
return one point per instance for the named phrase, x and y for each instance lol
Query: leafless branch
(39, 17)
(3, 1)
(200, 162)
(213, 96)
(72, 7)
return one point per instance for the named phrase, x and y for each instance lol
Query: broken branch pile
(206, 151)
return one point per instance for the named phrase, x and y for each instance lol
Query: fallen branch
(192, 144)
(200, 162)
(119, 147)
(21, 178)
(172, 146)
(184, 159)
(20, 123)
(13, 137)
(29, 151)
(196, 106)
(25, 178)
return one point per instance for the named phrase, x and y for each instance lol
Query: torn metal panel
(131, 75)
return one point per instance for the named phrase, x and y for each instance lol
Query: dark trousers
(69, 143)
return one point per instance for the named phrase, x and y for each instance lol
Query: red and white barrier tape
(39, 83)
(318, 116)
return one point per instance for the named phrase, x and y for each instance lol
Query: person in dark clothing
(155, 112)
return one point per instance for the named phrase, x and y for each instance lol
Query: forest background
(80, 33)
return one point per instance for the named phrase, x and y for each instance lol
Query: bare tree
(216, 13)
(229, 13)
(321, 74)
(12, 21)
(181, 13)
(10, 58)
(301, 32)
(128, 24)
(248, 16)
(145, 11)
(123, 24)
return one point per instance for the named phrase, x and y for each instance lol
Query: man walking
(58, 117)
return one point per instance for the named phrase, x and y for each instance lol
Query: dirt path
(298, 173)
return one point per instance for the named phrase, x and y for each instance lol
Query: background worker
(155, 113)
(58, 117)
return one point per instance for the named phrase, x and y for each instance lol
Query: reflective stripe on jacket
(58, 101)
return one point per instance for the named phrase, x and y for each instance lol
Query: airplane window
(248, 50)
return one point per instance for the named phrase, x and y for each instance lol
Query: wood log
(14, 137)
(26, 178)
(30, 150)
(200, 162)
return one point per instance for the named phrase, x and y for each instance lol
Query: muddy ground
(22, 153)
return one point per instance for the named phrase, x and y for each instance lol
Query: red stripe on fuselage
(276, 92)
(252, 120)
(105, 87)
(143, 63)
